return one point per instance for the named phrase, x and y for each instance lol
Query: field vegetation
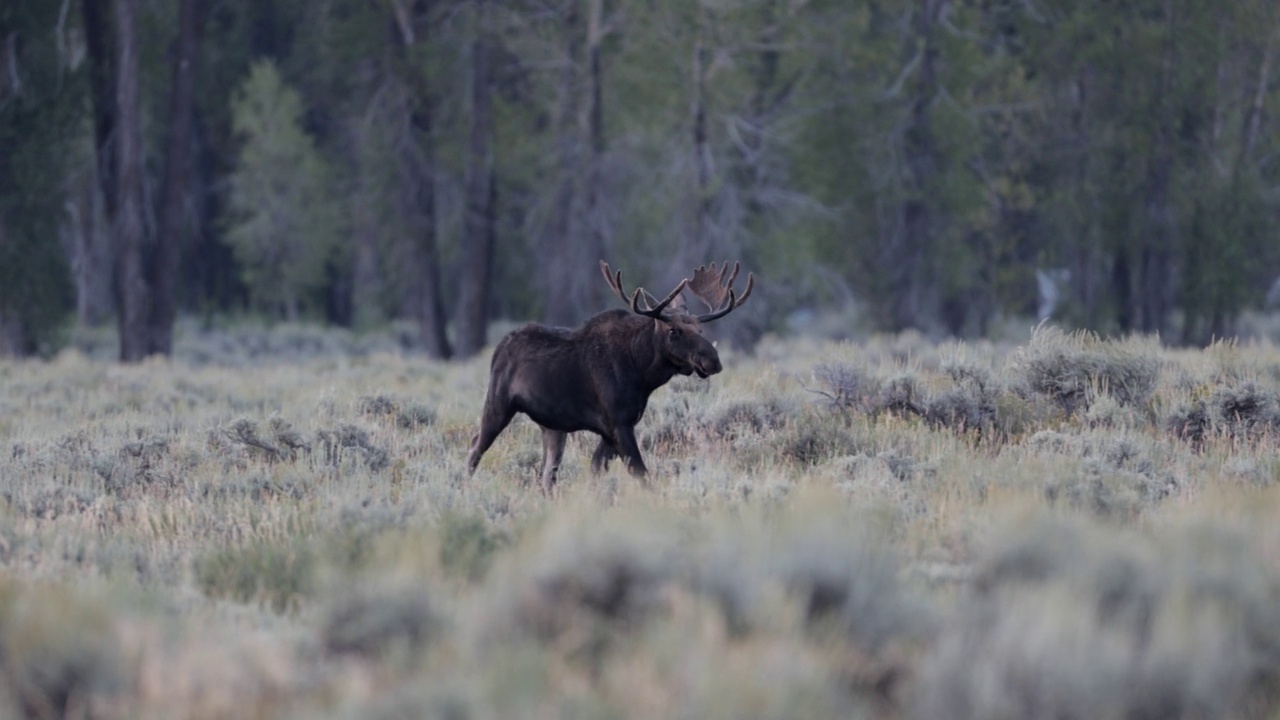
(280, 525)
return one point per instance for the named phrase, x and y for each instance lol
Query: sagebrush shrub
(900, 395)
(59, 650)
(747, 417)
(1067, 621)
(847, 579)
(468, 545)
(375, 621)
(278, 575)
(811, 439)
(605, 577)
(1073, 369)
(1246, 409)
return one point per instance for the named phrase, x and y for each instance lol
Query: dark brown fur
(597, 377)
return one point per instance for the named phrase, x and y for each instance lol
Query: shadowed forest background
(914, 163)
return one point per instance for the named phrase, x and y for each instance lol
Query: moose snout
(707, 365)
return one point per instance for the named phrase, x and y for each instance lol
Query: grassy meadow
(279, 525)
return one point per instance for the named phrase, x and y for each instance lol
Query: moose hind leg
(493, 421)
(552, 452)
(605, 452)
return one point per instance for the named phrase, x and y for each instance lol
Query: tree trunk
(90, 258)
(1157, 273)
(562, 248)
(12, 331)
(1087, 265)
(419, 173)
(699, 242)
(914, 281)
(573, 239)
(127, 226)
(177, 174)
(753, 175)
(595, 220)
(100, 43)
(432, 321)
(478, 238)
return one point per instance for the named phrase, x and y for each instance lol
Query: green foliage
(282, 219)
(916, 162)
(41, 113)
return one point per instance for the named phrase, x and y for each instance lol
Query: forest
(454, 162)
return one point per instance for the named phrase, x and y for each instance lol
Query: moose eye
(674, 332)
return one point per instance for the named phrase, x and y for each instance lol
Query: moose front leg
(630, 450)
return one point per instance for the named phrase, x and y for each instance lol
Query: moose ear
(678, 305)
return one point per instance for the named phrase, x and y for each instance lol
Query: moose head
(677, 332)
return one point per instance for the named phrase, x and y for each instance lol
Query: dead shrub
(352, 441)
(846, 387)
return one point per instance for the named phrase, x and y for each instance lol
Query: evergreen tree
(281, 214)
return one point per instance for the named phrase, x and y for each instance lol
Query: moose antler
(650, 310)
(711, 287)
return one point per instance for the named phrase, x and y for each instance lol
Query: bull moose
(599, 377)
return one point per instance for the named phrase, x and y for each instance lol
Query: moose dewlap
(598, 377)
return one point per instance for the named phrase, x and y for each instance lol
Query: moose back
(598, 377)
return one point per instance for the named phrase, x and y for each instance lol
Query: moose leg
(493, 421)
(601, 457)
(552, 451)
(630, 451)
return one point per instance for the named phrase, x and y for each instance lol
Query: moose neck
(655, 370)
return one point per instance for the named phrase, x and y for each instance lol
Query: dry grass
(280, 525)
